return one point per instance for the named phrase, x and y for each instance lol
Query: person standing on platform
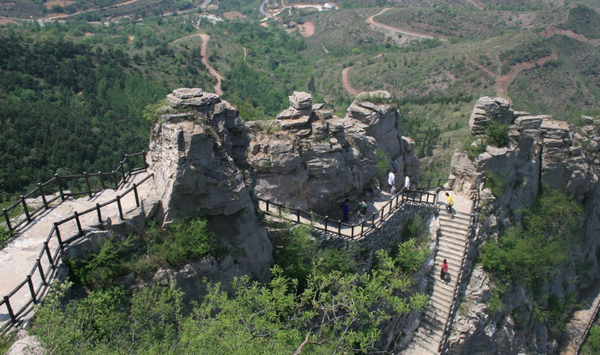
(392, 182)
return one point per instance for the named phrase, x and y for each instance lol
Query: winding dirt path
(478, 4)
(346, 83)
(552, 30)
(204, 53)
(371, 21)
(503, 81)
(245, 52)
(211, 70)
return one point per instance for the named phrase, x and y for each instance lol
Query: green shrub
(497, 134)
(377, 98)
(383, 163)
(5, 236)
(592, 343)
(473, 150)
(495, 183)
(494, 304)
(538, 245)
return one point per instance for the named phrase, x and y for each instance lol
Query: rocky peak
(310, 158)
(487, 110)
(198, 157)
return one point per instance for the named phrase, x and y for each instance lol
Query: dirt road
(204, 53)
(503, 81)
(346, 83)
(371, 21)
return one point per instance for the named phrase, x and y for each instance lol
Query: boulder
(300, 100)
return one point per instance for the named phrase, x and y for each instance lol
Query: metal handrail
(443, 346)
(117, 181)
(55, 258)
(587, 330)
(357, 230)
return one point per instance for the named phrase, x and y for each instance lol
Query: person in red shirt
(444, 270)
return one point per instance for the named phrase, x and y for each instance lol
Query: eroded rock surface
(197, 153)
(310, 158)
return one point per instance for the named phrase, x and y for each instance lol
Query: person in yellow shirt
(449, 204)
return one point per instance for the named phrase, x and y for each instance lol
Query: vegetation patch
(539, 245)
(183, 242)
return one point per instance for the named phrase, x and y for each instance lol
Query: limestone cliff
(310, 158)
(197, 155)
(541, 152)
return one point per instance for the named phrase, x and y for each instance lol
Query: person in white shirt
(392, 182)
(407, 183)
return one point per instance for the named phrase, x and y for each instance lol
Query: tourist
(444, 271)
(407, 183)
(345, 210)
(449, 204)
(362, 208)
(392, 182)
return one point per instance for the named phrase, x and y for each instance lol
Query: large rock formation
(310, 158)
(197, 155)
(542, 152)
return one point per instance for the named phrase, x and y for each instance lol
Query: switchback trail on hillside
(346, 83)
(552, 30)
(478, 4)
(203, 52)
(503, 81)
(371, 21)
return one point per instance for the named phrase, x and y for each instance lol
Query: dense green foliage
(473, 146)
(495, 183)
(592, 343)
(497, 134)
(337, 311)
(538, 245)
(182, 242)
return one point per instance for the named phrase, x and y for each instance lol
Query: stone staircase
(452, 244)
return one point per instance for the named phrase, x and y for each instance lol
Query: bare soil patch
(61, 3)
(6, 21)
(233, 15)
(307, 29)
(552, 30)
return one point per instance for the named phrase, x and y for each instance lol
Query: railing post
(123, 171)
(58, 237)
(120, 207)
(87, 183)
(267, 201)
(128, 164)
(25, 208)
(31, 288)
(439, 182)
(144, 155)
(114, 175)
(362, 229)
(373, 220)
(339, 228)
(352, 232)
(298, 215)
(41, 270)
(49, 255)
(101, 181)
(62, 194)
(78, 223)
(135, 193)
(428, 184)
(43, 196)
(10, 310)
(5, 212)
(326, 220)
(99, 213)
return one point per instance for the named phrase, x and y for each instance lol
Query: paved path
(19, 256)
(371, 20)
(580, 319)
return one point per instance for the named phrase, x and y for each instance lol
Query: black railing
(428, 184)
(587, 330)
(93, 182)
(342, 229)
(48, 259)
(443, 347)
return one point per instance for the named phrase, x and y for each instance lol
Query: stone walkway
(580, 319)
(451, 246)
(20, 255)
(375, 204)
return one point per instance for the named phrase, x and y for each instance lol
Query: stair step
(439, 285)
(453, 259)
(457, 253)
(457, 214)
(458, 241)
(456, 227)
